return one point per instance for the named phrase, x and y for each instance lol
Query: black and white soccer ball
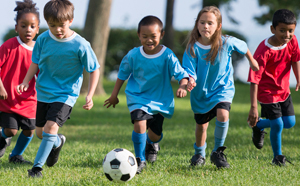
(119, 165)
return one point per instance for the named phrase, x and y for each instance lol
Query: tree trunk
(96, 31)
(169, 31)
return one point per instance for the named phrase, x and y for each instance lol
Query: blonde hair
(216, 40)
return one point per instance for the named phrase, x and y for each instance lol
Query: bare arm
(93, 82)
(33, 69)
(113, 99)
(296, 69)
(253, 63)
(181, 92)
(3, 93)
(253, 113)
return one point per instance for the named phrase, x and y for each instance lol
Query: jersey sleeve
(238, 45)
(125, 68)
(4, 52)
(36, 52)
(296, 51)
(176, 69)
(88, 58)
(189, 64)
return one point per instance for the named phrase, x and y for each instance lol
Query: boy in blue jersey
(60, 55)
(149, 92)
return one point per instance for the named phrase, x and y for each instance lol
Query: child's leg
(139, 137)
(23, 141)
(288, 121)
(222, 123)
(5, 139)
(275, 135)
(201, 135)
(263, 123)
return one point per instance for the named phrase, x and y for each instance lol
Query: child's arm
(253, 113)
(3, 93)
(33, 69)
(94, 77)
(253, 63)
(296, 69)
(113, 99)
(191, 84)
(181, 92)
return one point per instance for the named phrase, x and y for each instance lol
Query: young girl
(207, 59)
(15, 58)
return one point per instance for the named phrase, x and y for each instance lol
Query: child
(149, 91)
(270, 85)
(18, 111)
(207, 59)
(61, 55)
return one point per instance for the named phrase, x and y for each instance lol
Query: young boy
(60, 55)
(149, 92)
(270, 85)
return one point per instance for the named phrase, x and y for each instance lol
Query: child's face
(283, 33)
(61, 29)
(207, 25)
(27, 27)
(150, 36)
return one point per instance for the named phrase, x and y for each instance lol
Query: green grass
(92, 134)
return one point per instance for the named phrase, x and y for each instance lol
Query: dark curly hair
(24, 7)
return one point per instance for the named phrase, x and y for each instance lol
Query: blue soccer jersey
(149, 86)
(215, 81)
(61, 63)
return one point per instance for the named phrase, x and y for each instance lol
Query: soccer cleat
(151, 151)
(35, 172)
(3, 144)
(18, 159)
(54, 154)
(258, 137)
(141, 165)
(197, 159)
(219, 158)
(280, 160)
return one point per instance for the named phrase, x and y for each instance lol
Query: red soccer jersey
(15, 59)
(274, 70)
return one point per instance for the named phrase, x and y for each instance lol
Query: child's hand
(252, 117)
(22, 88)
(3, 93)
(112, 101)
(89, 103)
(254, 65)
(181, 92)
(297, 86)
(191, 84)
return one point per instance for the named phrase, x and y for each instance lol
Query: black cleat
(197, 160)
(18, 159)
(141, 165)
(3, 143)
(258, 136)
(219, 158)
(151, 151)
(280, 160)
(54, 154)
(35, 172)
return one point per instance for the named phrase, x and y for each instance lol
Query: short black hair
(27, 6)
(150, 20)
(283, 16)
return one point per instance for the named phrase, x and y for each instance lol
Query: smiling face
(283, 33)
(27, 27)
(207, 26)
(150, 36)
(60, 29)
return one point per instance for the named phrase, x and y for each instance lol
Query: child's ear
(220, 26)
(16, 28)
(162, 34)
(272, 29)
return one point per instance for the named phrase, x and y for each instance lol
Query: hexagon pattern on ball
(119, 165)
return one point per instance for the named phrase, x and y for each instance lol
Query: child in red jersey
(18, 111)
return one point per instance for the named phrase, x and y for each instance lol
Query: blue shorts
(15, 121)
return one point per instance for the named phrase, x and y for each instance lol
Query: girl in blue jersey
(207, 59)
(149, 92)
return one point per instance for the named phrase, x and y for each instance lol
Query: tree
(169, 30)
(96, 31)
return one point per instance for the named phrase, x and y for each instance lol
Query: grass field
(92, 134)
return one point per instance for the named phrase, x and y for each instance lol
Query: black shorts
(204, 118)
(154, 122)
(276, 110)
(57, 112)
(15, 121)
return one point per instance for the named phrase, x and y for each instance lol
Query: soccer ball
(119, 165)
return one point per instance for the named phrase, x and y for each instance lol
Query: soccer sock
(220, 133)
(263, 123)
(22, 143)
(57, 142)
(288, 121)
(150, 141)
(200, 150)
(275, 135)
(139, 143)
(44, 149)
(3, 134)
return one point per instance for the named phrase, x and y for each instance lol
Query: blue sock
(263, 123)
(288, 121)
(139, 143)
(150, 141)
(22, 143)
(3, 134)
(57, 142)
(275, 135)
(200, 150)
(220, 133)
(44, 149)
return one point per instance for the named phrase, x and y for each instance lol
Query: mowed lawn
(92, 134)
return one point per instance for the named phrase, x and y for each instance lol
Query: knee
(277, 124)
(10, 132)
(202, 128)
(288, 121)
(28, 133)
